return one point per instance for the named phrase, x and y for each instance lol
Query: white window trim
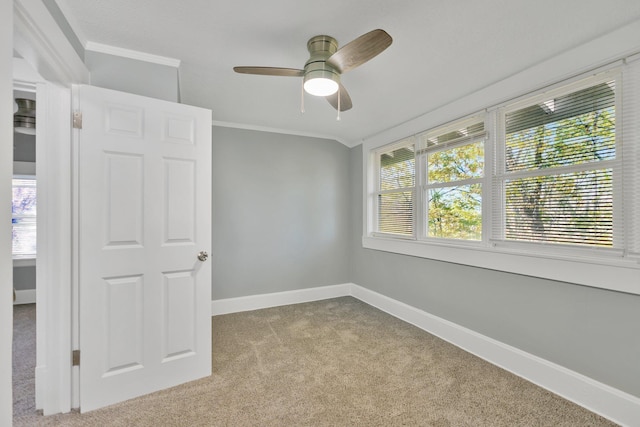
(619, 276)
(602, 269)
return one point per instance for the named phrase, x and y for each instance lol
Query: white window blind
(23, 218)
(560, 169)
(396, 188)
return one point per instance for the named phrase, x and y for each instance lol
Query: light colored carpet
(337, 362)
(24, 359)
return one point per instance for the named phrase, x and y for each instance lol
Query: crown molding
(131, 54)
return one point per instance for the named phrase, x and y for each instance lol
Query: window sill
(24, 262)
(613, 274)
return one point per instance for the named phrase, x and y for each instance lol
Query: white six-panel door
(144, 212)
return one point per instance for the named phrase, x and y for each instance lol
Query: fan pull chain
(338, 118)
(302, 97)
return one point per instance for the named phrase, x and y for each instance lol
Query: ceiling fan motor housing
(24, 120)
(321, 48)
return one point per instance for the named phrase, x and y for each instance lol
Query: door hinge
(75, 358)
(77, 119)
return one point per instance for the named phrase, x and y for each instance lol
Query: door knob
(203, 255)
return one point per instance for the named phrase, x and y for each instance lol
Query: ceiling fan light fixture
(24, 118)
(326, 63)
(321, 82)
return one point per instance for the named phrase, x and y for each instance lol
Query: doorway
(24, 208)
(52, 270)
(43, 57)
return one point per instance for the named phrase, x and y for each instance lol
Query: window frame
(423, 186)
(607, 268)
(497, 237)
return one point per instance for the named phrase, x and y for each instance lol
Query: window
(450, 163)
(547, 185)
(557, 177)
(452, 189)
(23, 217)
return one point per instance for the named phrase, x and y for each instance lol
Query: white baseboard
(27, 296)
(611, 403)
(256, 302)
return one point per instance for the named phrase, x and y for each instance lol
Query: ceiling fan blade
(345, 99)
(360, 50)
(270, 71)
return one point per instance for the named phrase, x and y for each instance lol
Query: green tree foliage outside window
(570, 198)
(455, 209)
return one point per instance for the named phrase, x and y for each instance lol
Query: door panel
(124, 187)
(144, 198)
(179, 307)
(123, 308)
(179, 201)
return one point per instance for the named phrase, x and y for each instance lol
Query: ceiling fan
(326, 63)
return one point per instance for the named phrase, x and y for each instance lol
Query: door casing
(43, 45)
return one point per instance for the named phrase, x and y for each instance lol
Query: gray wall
(24, 278)
(133, 76)
(591, 331)
(280, 213)
(24, 147)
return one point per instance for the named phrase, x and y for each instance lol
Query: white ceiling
(441, 51)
